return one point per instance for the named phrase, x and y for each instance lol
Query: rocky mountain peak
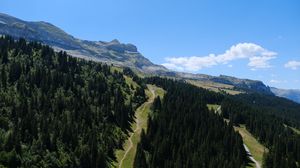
(109, 52)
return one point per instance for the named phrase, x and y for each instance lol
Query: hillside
(61, 111)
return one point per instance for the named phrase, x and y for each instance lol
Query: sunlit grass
(256, 149)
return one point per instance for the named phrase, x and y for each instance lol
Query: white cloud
(260, 62)
(278, 81)
(293, 65)
(258, 57)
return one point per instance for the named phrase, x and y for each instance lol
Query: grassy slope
(141, 119)
(256, 149)
(216, 87)
(130, 82)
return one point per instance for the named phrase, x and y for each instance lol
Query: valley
(68, 102)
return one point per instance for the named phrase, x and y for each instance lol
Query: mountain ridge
(292, 94)
(112, 52)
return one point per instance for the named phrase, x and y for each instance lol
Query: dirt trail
(138, 129)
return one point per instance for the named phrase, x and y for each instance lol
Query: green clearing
(231, 92)
(130, 82)
(257, 150)
(157, 90)
(126, 156)
(213, 107)
(216, 87)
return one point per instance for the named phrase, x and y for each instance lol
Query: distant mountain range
(292, 94)
(119, 54)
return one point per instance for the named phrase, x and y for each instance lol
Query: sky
(257, 39)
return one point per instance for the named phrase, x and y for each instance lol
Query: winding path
(138, 122)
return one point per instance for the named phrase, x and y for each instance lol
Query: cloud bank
(293, 65)
(258, 57)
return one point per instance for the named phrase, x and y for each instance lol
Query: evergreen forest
(60, 111)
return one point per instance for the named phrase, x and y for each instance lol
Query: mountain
(112, 52)
(292, 94)
(224, 82)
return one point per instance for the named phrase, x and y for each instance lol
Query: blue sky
(255, 39)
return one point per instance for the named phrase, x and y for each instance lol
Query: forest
(182, 132)
(267, 118)
(61, 111)
(180, 119)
